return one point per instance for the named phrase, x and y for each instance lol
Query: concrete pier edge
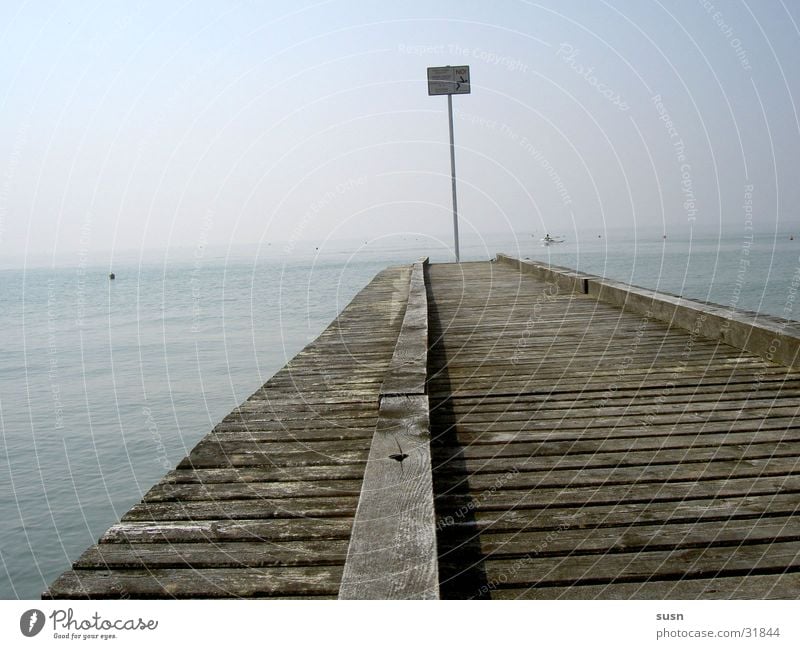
(774, 339)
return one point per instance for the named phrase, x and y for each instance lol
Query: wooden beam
(408, 369)
(392, 552)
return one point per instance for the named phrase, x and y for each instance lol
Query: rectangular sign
(449, 80)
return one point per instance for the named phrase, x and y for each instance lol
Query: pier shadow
(461, 570)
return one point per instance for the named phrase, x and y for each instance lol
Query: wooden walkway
(264, 505)
(584, 452)
(576, 450)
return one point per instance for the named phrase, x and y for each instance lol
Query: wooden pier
(489, 430)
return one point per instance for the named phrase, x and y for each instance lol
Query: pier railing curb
(774, 339)
(392, 552)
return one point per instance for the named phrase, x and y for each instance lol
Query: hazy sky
(138, 125)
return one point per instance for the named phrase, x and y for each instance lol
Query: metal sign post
(453, 175)
(450, 81)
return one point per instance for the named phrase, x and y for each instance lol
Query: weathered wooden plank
(188, 583)
(305, 430)
(248, 454)
(670, 461)
(779, 586)
(484, 447)
(279, 473)
(640, 566)
(510, 422)
(613, 399)
(618, 476)
(392, 553)
(222, 434)
(288, 448)
(501, 386)
(504, 381)
(207, 531)
(282, 469)
(585, 430)
(574, 541)
(254, 490)
(642, 410)
(256, 474)
(755, 507)
(193, 510)
(498, 355)
(253, 415)
(496, 498)
(259, 554)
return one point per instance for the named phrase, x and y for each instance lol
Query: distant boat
(547, 240)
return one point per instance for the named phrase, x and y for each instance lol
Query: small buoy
(112, 276)
(791, 237)
(664, 237)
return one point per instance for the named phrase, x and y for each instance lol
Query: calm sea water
(104, 385)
